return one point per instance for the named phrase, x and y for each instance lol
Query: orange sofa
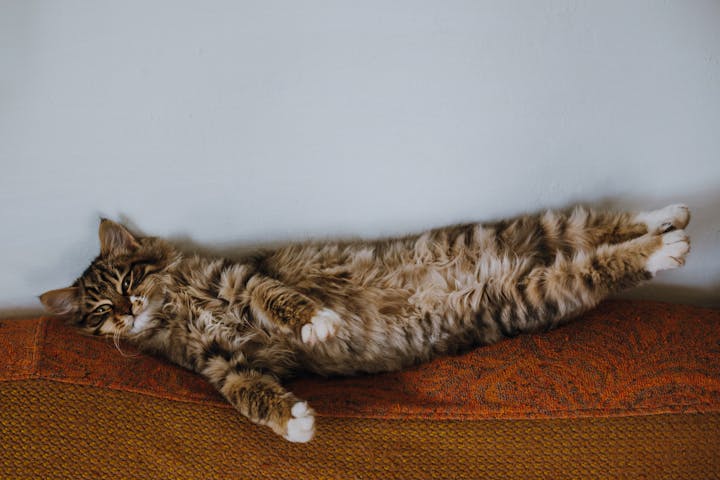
(631, 390)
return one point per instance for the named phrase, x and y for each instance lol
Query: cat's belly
(390, 346)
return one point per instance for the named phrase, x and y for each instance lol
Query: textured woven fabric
(55, 430)
(624, 358)
(632, 390)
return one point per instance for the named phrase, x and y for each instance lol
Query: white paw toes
(672, 217)
(301, 428)
(322, 326)
(671, 254)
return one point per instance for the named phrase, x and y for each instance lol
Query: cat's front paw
(301, 427)
(323, 325)
(672, 217)
(671, 254)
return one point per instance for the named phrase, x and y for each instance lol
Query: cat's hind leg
(585, 229)
(585, 279)
(549, 295)
(672, 217)
(672, 253)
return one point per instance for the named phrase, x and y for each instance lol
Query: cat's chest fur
(198, 325)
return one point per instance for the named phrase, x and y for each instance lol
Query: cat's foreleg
(276, 304)
(262, 399)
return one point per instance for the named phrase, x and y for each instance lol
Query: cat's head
(124, 287)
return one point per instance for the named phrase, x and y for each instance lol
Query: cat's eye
(102, 309)
(127, 281)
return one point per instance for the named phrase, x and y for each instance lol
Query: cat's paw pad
(672, 217)
(301, 427)
(672, 253)
(322, 326)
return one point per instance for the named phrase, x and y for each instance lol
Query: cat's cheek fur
(108, 328)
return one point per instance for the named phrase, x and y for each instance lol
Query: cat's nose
(123, 306)
(138, 304)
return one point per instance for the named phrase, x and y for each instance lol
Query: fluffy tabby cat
(365, 306)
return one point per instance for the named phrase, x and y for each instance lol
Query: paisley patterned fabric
(623, 358)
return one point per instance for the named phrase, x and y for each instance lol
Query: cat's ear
(115, 239)
(62, 301)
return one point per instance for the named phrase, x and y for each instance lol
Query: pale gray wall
(236, 123)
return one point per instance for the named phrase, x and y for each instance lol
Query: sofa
(629, 390)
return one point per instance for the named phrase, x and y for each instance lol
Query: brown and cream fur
(363, 306)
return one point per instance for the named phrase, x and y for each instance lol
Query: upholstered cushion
(631, 387)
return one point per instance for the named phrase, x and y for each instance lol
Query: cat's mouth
(143, 311)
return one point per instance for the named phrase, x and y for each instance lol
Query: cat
(346, 307)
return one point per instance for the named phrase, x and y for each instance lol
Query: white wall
(236, 123)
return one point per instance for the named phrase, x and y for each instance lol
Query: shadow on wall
(704, 231)
(704, 258)
(703, 297)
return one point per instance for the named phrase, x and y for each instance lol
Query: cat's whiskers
(117, 337)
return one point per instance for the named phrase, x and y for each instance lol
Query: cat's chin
(140, 323)
(144, 320)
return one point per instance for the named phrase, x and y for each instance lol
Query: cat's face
(122, 290)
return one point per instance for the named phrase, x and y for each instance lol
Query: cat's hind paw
(671, 254)
(672, 217)
(301, 427)
(323, 325)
